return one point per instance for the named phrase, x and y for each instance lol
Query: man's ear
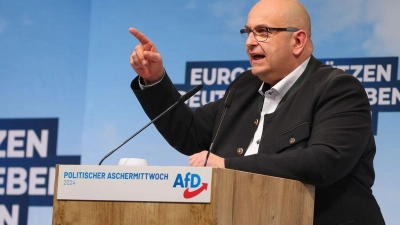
(300, 40)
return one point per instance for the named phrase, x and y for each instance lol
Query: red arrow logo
(190, 194)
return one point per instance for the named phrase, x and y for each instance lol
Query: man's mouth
(257, 56)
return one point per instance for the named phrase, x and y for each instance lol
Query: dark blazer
(320, 134)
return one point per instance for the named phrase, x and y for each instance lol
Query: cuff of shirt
(143, 86)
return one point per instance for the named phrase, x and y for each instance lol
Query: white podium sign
(131, 183)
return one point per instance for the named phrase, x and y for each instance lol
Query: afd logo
(192, 181)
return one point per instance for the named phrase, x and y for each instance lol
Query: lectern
(104, 195)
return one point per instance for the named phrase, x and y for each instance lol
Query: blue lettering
(179, 181)
(195, 177)
(187, 179)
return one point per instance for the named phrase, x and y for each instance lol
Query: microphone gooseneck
(227, 104)
(183, 98)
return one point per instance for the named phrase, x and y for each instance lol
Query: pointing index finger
(138, 35)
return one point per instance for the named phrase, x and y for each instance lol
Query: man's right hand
(145, 59)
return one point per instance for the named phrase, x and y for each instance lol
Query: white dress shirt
(272, 97)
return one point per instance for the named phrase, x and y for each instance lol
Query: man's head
(278, 55)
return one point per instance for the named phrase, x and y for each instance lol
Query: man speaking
(291, 116)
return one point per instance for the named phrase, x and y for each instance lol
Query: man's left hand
(199, 159)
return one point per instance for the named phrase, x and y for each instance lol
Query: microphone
(228, 102)
(183, 98)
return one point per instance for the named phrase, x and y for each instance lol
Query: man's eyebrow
(257, 26)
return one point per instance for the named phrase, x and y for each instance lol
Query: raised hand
(145, 59)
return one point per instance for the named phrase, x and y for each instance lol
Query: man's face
(270, 58)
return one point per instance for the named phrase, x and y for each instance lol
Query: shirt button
(255, 122)
(239, 151)
(292, 141)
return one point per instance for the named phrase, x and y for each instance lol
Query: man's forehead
(262, 20)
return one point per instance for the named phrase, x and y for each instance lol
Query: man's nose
(251, 40)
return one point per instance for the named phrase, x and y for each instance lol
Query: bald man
(291, 117)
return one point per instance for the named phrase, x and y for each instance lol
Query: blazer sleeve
(186, 130)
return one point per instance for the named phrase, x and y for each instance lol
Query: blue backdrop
(65, 76)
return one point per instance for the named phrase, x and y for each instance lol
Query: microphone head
(190, 93)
